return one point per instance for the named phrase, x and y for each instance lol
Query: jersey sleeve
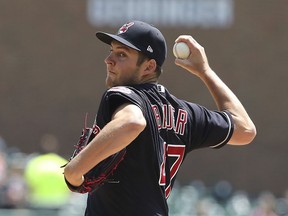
(208, 128)
(116, 96)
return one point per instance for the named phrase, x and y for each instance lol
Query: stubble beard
(132, 80)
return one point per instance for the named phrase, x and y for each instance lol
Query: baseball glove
(102, 172)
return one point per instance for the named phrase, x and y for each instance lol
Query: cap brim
(108, 38)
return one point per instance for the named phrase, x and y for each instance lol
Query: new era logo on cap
(149, 49)
(140, 36)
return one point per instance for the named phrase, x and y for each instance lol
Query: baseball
(181, 50)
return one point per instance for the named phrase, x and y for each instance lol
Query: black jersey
(144, 179)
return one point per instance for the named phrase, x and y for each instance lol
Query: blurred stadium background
(52, 73)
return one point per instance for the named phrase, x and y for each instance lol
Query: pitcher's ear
(151, 66)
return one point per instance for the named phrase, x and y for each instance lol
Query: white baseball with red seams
(181, 50)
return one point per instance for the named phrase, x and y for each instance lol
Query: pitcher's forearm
(225, 99)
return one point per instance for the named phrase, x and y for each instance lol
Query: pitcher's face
(122, 66)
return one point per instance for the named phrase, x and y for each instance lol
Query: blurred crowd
(196, 199)
(35, 182)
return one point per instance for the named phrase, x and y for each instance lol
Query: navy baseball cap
(140, 36)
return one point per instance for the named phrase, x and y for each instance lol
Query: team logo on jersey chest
(121, 89)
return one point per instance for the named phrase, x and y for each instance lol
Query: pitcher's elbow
(252, 133)
(249, 135)
(243, 136)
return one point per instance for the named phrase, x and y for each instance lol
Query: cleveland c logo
(125, 27)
